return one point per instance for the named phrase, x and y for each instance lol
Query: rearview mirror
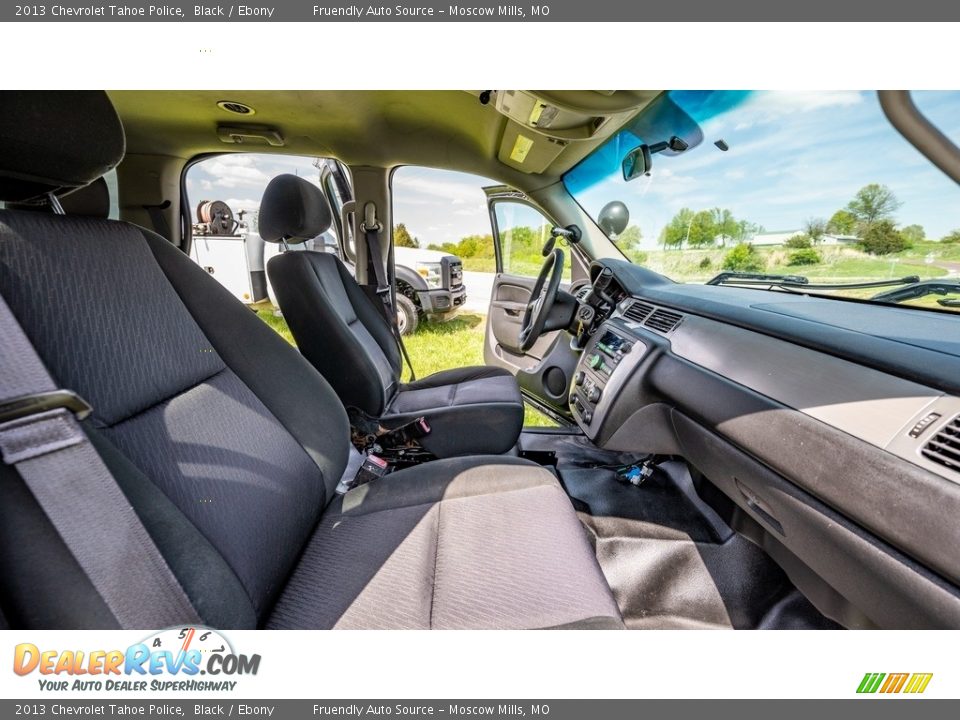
(613, 218)
(637, 162)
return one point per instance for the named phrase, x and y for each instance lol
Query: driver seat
(339, 329)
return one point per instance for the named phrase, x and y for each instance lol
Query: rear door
(519, 231)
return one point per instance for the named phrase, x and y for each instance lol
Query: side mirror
(637, 162)
(613, 218)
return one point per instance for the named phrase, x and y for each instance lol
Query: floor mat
(571, 449)
(669, 560)
(656, 509)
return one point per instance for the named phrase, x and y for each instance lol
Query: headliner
(447, 129)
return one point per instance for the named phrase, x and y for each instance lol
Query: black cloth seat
(229, 445)
(424, 539)
(346, 337)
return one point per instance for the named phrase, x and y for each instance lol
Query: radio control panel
(606, 362)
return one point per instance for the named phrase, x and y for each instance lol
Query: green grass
(523, 266)
(276, 322)
(939, 250)
(841, 264)
(434, 346)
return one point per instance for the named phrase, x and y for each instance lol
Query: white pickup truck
(429, 283)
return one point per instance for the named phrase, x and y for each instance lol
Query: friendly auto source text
(513, 710)
(362, 11)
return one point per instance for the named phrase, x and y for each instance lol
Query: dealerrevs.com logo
(173, 659)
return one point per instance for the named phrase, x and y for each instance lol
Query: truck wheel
(408, 317)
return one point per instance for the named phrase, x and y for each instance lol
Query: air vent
(235, 107)
(582, 293)
(638, 311)
(944, 447)
(663, 320)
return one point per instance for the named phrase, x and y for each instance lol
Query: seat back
(338, 328)
(225, 441)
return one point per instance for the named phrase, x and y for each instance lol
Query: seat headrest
(54, 141)
(293, 210)
(90, 201)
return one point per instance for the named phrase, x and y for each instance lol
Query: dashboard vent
(638, 311)
(944, 447)
(663, 320)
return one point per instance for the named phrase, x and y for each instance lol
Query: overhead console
(541, 123)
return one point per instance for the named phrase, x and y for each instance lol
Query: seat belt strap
(384, 290)
(158, 218)
(40, 435)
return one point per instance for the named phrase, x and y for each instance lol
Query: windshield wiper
(747, 278)
(799, 281)
(944, 286)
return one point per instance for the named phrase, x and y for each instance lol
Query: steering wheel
(542, 297)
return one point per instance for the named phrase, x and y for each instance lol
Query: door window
(523, 231)
(223, 194)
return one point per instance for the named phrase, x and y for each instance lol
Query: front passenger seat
(339, 329)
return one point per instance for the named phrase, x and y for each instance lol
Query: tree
(842, 223)
(815, 228)
(403, 238)
(799, 241)
(914, 234)
(882, 238)
(630, 238)
(675, 232)
(743, 258)
(804, 256)
(725, 225)
(953, 237)
(872, 204)
(702, 231)
(745, 231)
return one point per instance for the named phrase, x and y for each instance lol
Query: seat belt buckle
(27, 405)
(373, 467)
(406, 435)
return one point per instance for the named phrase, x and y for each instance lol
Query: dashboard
(833, 427)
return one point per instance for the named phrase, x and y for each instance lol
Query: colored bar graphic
(918, 682)
(870, 682)
(893, 683)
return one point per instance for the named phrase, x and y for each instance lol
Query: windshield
(749, 187)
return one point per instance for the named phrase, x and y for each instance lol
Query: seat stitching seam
(508, 404)
(436, 557)
(167, 399)
(454, 499)
(350, 323)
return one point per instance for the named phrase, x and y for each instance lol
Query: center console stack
(607, 362)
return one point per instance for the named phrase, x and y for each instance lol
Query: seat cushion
(467, 543)
(471, 410)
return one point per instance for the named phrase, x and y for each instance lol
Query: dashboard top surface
(916, 344)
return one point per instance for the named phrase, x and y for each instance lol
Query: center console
(607, 362)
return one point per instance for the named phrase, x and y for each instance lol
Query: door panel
(544, 372)
(507, 304)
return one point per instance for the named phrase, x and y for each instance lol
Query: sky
(792, 156)
(437, 206)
